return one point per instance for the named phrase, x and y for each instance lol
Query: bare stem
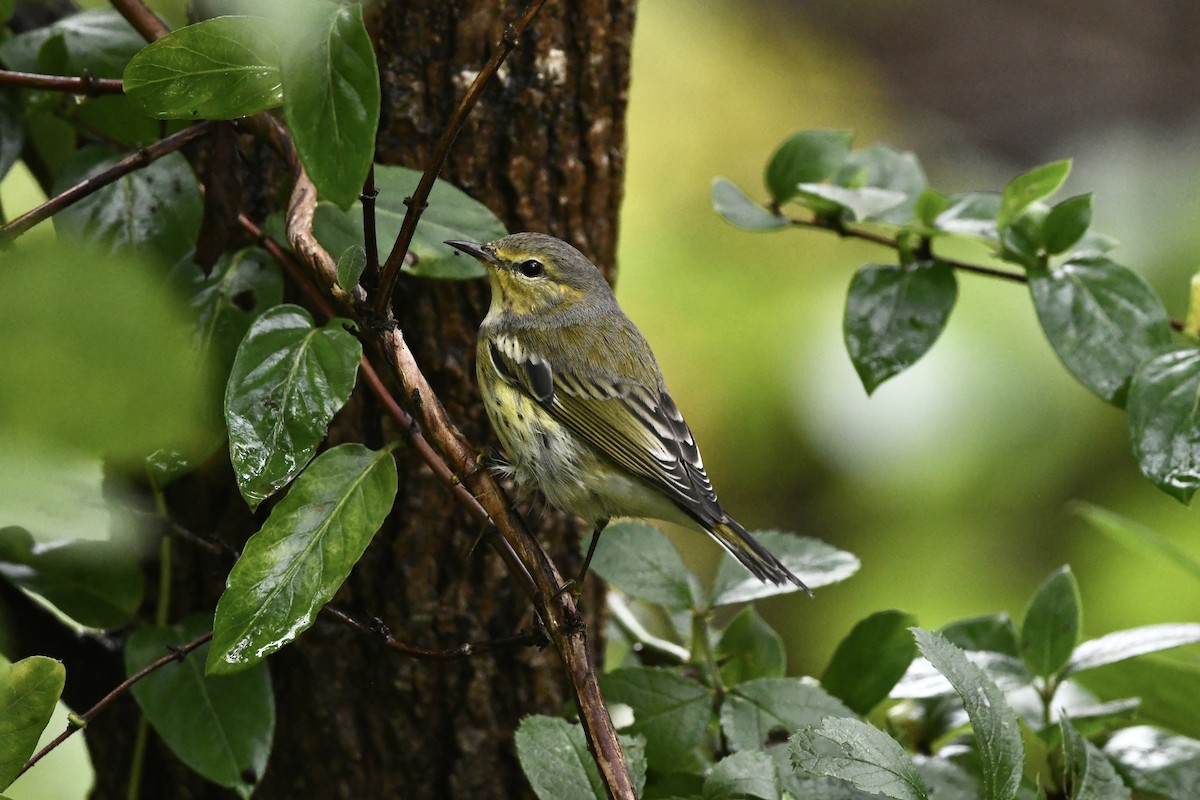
(143, 20)
(87, 83)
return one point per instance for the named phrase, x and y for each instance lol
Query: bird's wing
(638, 427)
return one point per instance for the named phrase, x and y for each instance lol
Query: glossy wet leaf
(737, 209)
(863, 204)
(1066, 223)
(749, 649)
(451, 214)
(288, 380)
(862, 755)
(1052, 622)
(998, 740)
(331, 98)
(640, 560)
(100, 41)
(222, 68)
(971, 214)
(670, 710)
(1164, 421)
(749, 774)
(29, 689)
(806, 157)
(870, 660)
(893, 316)
(304, 551)
(1090, 774)
(881, 166)
(811, 560)
(994, 632)
(769, 710)
(1036, 184)
(1118, 646)
(923, 680)
(1166, 686)
(1102, 320)
(1156, 761)
(153, 211)
(95, 583)
(555, 758)
(220, 726)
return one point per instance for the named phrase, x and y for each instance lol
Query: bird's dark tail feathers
(756, 558)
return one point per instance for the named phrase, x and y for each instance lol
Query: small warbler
(579, 404)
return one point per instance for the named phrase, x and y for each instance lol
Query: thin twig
(176, 654)
(136, 161)
(370, 193)
(377, 629)
(143, 20)
(86, 84)
(441, 151)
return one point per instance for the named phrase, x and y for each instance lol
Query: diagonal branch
(87, 83)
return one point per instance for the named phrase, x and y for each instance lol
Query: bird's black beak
(482, 252)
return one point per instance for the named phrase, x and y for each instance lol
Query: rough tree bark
(545, 150)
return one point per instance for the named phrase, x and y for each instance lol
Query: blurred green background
(951, 483)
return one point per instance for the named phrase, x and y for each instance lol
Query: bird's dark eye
(532, 268)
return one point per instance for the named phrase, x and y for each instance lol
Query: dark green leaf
(116, 117)
(864, 204)
(221, 68)
(749, 774)
(736, 208)
(1164, 421)
(997, 738)
(769, 710)
(1036, 184)
(1133, 642)
(669, 709)
(807, 157)
(971, 214)
(451, 215)
(811, 560)
(29, 690)
(640, 560)
(1155, 761)
(12, 129)
(155, 210)
(883, 167)
(929, 205)
(994, 632)
(555, 758)
(749, 648)
(870, 660)
(860, 754)
(1050, 630)
(1066, 223)
(101, 42)
(1136, 537)
(302, 554)
(1089, 773)
(221, 727)
(1021, 241)
(1168, 689)
(1102, 320)
(6, 9)
(95, 583)
(350, 266)
(288, 380)
(894, 314)
(331, 98)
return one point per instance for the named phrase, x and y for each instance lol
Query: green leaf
(640, 560)
(302, 554)
(945, 779)
(736, 208)
(95, 583)
(971, 214)
(929, 205)
(1136, 537)
(881, 166)
(994, 632)
(153, 211)
(1167, 688)
(451, 215)
(924, 680)
(1089, 773)
(1155, 761)
(222, 68)
(12, 129)
(101, 42)
(669, 709)
(331, 98)
(288, 380)
(1102, 320)
(749, 774)
(350, 266)
(807, 157)
(29, 689)
(1021, 242)
(894, 314)
(749, 649)
(862, 755)
(221, 727)
(1036, 184)
(1066, 223)
(870, 660)
(769, 710)
(1053, 618)
(555, 758)
(1121, 645)
(997, 738)
(811, 560)
(1164, 423)
(864, 204)
(6, 9)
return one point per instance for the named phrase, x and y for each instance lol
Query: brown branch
(176, 654)
(87, 83)
(143, 20)
(417, 202)
(137, 160)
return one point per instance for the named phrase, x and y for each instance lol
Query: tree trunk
(545, 150)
